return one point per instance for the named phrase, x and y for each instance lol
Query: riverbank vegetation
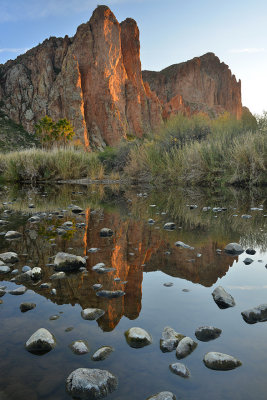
(193, 150)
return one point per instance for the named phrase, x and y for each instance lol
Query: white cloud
(250, 50)
(13, 50)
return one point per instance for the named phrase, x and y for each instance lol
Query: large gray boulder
(162, 396)
(185, 347)
(222, 298)
(220, 361)
(9, 257)
(41, 341)
(90, 384)
(137, 337)
(207, 333)
(234, 248)
(256, 314)
(169, 339)
(92, 313)
(68, 262)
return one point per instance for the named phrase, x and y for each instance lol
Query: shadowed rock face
(94, 79)
(201, 84)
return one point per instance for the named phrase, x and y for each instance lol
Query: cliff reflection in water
(135, 247)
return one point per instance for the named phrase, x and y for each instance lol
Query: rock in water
(110, 294)
(102, 353)
(92, 313)
(256, 314)
(234, 248)
(27, 307)
(137, 337)
(222, 298)
(41, 341)
(19, 291)
(185, 347)
(170, 339)
(76, 210)
(162, 396)
(106, 232)
(220, 361)
(180, 369)
(91, 384)
(68, 262)
(169, 226)
(207, 333)
(35, 273)
(12, 235)
(251, 252)
(248, 261)
(4, 269)
(79, 347)
(9, 257)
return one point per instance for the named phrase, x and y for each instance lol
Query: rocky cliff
(94, 79)
(201, 84)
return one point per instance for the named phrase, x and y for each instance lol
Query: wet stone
(92, 313)
(207, 333)
(137, 337)
(93, 250)
(4, 269)
(183, 245)
(26, 268)
(2, 292)
(54, 317)
(170, 339)
(110, 294)
(13, 235)
(76, 210)
(220, 361)
(45, 285)
(97, 286)
(9, 257)
(91, 384)
(180, 369)
(41, 341)
(248, 261)
(79, 347)
(222, 298)
(19, 291)
(101, 268)
(58, 275)
(162, 396)
(169, 226)
(24, 307)
(69, 329)
(68, 262)
(256, 314)
(106, 232)
(251, 252)
(185, 347)
(168, 284)
(102, 353)
(233, 248)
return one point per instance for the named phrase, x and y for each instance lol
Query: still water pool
(144, 257)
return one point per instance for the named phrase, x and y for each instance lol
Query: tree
(51, 132)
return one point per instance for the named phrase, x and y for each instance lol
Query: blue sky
(171, 31)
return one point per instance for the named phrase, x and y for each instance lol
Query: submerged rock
(92, 313)
(9, 257)
(180, 369)
(207, 333)
(256, 314)
(185, 347)
(137, 337)
(234, 248)
(248, 261)
(91, 384)
(220, 361)
(168, 284)
(102, 353)
(110, 294)
(27, 307)
(68, 262)
(79, 347)
(162, 396)
(41, 341)
(222, 298)
(169, 339)
(106, 232)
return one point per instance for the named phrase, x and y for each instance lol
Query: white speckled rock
(169, 339)
(91, 384)
(102, 353)
(222, 298)
(35, 273)
(256, 314)
(79, 347)
(12, 235)
(180, 369)
(40, 342)
(185, 347)
(138, 337)
(9, 257)
(68, 262)
(92, 313)
(162, 396)
(220, 361)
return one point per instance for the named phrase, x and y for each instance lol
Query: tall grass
(41, 165)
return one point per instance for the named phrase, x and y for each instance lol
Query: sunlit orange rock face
(94, 79)
(201, 84)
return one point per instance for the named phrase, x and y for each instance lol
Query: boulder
(234, 249)
(41, 341)
(91, 384)
(102, 353)
(9, 257)
(138, 337)
(185, 347)
(180, 369)
(92, 313)
(68, 262)
(12, 235)
(207, 333)
(220, 361)
(222, 298)
(169, 339)
(256, 314)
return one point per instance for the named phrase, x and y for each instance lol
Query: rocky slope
(94, 79)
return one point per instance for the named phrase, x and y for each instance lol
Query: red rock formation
(201, 84)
